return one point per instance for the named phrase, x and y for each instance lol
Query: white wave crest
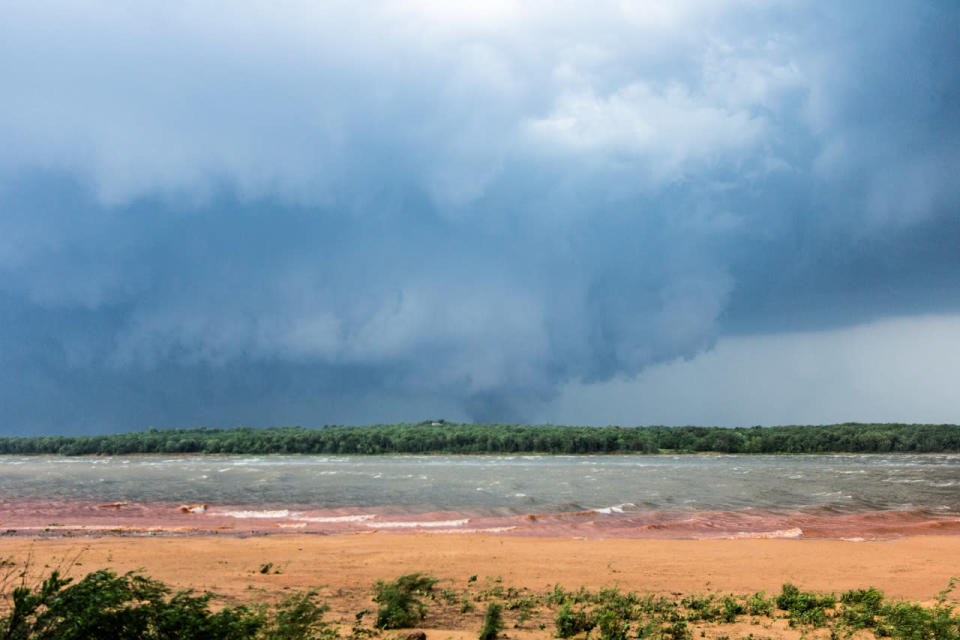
(415, 524)
(357, 518)
(795, 532)
(468, 531)
(282, 513)
(619, 508)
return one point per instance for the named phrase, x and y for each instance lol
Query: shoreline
(83, 519)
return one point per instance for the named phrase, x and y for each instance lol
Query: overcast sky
(713, 212)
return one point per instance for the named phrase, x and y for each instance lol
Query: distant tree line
(459, 438)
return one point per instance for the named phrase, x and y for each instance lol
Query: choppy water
(683, 496)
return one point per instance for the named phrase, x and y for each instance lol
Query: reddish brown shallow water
(60, 518)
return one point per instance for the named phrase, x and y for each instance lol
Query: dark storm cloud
(310, 213)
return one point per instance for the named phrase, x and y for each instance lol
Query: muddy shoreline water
(66, 518)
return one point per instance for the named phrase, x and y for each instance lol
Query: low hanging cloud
(891, 370)
(316, 213)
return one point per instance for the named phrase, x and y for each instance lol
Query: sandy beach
(910, 568)
(343, 568)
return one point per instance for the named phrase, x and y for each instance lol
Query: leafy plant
(805, 607)
(105, 605)
(299, 617)
(677, 631)
(861, 607)
(108, 606)
(758, 605)
(492, 622)
(399, 601)
(700, 607)
(569, 622)
(612, 625)
(358, 631)
(730, 609)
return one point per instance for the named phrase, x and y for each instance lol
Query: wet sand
(62, 517)
(913, 568)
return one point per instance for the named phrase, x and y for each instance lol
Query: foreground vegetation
(458, 438)
(107, 606)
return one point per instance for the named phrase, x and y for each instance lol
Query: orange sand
(910, 568)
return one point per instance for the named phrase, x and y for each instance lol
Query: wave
(488, 530)
(282, 513)
(618, 508)
(625, 520)
(417, 524)
(334, 519)
(795, 532)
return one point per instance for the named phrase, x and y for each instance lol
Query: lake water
(837, 496)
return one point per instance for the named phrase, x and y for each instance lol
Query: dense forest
(458, 438)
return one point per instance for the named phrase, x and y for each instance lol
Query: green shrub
(358, 631)
(299, 617)
(700, 607)
(758, 605)
(648, 630)
(400, 605)
(492, 622)
(558, 596)
(569, 622)
(861, 607)
(869, 598)
(904, 621)
(657, 606)
(106, 606)
(805, 607)
(677, 631)
(612, 626)
(623, 604)
(731, 609)
(493, 592)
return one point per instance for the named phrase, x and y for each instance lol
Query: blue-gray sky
(713, 212)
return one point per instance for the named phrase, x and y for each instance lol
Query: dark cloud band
(294, 216)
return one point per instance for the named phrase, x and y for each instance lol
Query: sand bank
(913, 568)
